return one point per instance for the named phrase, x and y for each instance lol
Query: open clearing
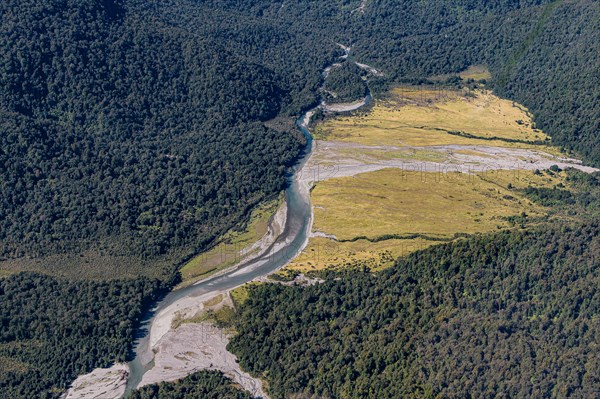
(424, 166)
(424, 117)
(373, 218)
(393, 201)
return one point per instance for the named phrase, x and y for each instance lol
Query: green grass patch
(232, 246)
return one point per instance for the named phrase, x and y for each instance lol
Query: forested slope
(54, 330)
(510, 314)
(345, 84)
(136, 129)
(125, 133)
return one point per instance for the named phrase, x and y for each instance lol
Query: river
(282, 251)
(287, 246)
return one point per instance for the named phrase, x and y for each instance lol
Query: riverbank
(158, 350)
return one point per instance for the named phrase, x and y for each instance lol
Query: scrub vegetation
(204, 384)
(233, 246)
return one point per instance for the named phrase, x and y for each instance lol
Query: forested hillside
(124, 132)
(345, 84)
(510, 314)
(138, 129)
(54, 330)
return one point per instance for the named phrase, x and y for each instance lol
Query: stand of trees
(509, 314)
(346, 83)
(124, 132)
(54, 330)
(204, 384)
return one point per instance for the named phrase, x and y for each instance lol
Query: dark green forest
(205, 385)
(512, 314)
(54, 330)
(345, 84)
(125, 133)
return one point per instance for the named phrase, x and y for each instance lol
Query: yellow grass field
(240, 294)
(401, 202)
(424, 117)
(323, 253)
(378, 216)
(423, 208)
(475, 72)
(232, 246)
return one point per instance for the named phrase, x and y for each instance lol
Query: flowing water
(287, 246)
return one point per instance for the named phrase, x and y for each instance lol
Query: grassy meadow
(412, 116)
(378, 216)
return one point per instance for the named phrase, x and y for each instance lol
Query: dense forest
(124, 132)
(54, 330)
(204, 384)
(345, 84)
(510, 314)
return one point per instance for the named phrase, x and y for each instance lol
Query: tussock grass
(240, 294)
(393, 201)
(426, 117)
(380, 216)
(476, 72)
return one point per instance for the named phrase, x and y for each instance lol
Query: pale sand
(100, 384)
(343, 107)
(194, 347)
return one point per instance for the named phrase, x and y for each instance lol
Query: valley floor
(421, 168)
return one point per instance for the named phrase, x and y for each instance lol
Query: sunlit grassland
(430, 117)
(378, 216)
(240, 294)
(392, 201)
(323, 253)
(231, 247)
(476, 72)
